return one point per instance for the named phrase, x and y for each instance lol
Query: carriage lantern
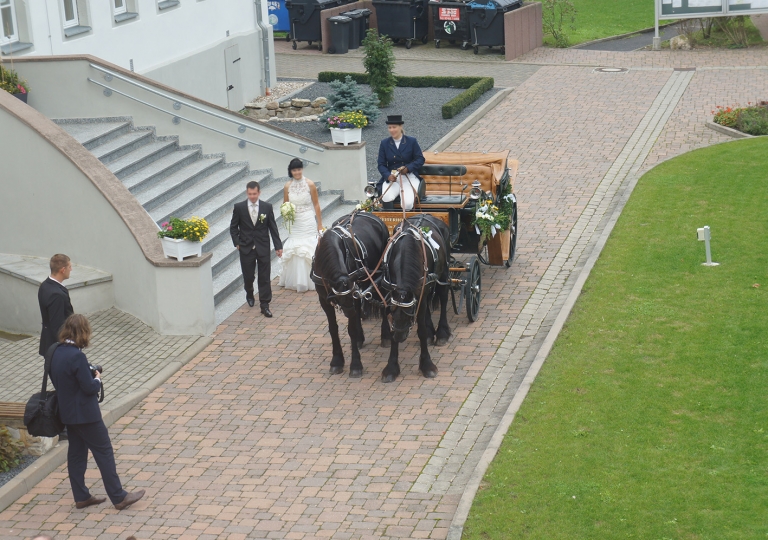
(475, 193)
(370, 189)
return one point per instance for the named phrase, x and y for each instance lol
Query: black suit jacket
(76, 389)
(249, 236)
(55, 307)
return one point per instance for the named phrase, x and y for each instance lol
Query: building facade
(217, 50)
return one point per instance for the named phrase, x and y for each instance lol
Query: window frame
(13, 38)
(120, 10)
(74, 22)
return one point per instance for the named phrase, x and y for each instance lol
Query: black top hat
(395, 119)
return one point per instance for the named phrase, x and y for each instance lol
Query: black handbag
(41, 415)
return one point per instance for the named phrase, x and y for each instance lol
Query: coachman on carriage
(401, 264)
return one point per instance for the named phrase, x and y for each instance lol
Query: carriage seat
(455, 185)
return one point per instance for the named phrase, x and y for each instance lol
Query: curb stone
(22, 483)
(735, 133)
(470, 121)
(621, 36)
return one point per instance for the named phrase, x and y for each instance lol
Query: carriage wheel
(473, 289)
(512, 236)
(482, 254)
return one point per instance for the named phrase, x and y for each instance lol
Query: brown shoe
(130, 499)
(90, 502)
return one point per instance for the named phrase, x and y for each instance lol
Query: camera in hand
(95, 368)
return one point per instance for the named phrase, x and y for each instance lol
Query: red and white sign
(449, 14)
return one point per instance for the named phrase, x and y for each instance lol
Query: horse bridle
(359, 254)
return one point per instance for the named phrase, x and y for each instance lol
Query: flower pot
(498, 248)
(178, 248)
(22, 96)
(347, 135)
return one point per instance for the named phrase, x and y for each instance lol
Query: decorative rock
(273, 105)
(306, 110)
(317, 110)
(254, 105)
(33, 446)
(299, 103)
(281, 114)
(290, 113)
(271, 112)
(680, 43)
(319, 102)
(285, 104)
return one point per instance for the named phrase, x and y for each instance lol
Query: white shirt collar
(56, 280)
(254, 204)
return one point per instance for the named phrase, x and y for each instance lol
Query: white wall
(156, 40)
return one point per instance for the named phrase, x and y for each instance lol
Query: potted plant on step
(347, 127)
(183, 237)
(13, 84)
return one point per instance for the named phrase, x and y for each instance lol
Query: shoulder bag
(41, 416)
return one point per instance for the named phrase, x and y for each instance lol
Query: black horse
(416, 268)
(345, 256)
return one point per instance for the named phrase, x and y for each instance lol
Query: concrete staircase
(181, 181)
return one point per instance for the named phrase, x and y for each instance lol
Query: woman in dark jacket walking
(77, 388)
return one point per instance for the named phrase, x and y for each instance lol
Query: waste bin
(486, 21)
(402, 19)
(278, 16)
(365, 24)
(339, 34)
(354, 27)
(304, 16)
(451, 23)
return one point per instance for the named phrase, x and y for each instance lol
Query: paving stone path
(253, 439)
(129, 351)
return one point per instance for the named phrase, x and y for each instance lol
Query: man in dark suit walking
(53, 298)
(253, 222)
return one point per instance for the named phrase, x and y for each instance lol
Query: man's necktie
(254, 215)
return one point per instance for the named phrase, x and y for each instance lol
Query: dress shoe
(250, 301)
(265, 311)
(130, 499)
(90, 502)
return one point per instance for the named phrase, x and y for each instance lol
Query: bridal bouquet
(288, 211)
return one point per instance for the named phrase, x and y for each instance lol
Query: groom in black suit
(253, 222)
(53, 298)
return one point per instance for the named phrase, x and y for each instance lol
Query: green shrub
(468, 97)
(753, 120)
(10, 450)
(347, 96)
(11, 82)
(558, 16)
(726, 116)
(379, 63)
(476, 86)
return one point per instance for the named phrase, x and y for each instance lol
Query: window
(71, 17)
(120, 7)
(8, 22)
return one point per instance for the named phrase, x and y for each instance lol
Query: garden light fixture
(703, 235)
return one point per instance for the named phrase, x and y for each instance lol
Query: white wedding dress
(299, 249)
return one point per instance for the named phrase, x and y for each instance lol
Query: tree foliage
(379, 63)
(347, 96)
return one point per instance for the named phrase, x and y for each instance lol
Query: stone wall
(289, 109)
(523, 30)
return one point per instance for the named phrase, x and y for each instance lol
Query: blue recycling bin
(278, 15)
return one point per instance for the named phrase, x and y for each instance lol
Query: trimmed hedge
(475, 87)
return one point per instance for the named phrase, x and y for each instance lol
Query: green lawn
(603, 18)
(649, 419)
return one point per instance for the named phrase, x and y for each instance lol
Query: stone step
(229, 278)
(209, 192)
(94, 132)
(122, 144)
(172, 185)
(228, 304)
(142, 156)
(145, 177)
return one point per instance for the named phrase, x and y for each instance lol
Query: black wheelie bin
(403, 20)
(451, 23)
(354, 27)
(304, 16)
(486, 21)
(340, 26)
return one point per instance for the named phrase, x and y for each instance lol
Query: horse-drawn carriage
(455, 185)
(402, 263)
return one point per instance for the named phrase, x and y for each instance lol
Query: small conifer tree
(347, 96)
(379, 63)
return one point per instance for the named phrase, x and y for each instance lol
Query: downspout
(48, 20)
(264, 45)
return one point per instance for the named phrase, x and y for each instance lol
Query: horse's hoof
(441, 341)
(430, 372)
(355, 373)
(388, 378)
(335, 370)
(386, 343)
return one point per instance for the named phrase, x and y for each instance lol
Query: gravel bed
(421, 109)
(280, 90)
(26, 461)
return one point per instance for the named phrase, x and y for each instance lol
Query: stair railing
(177, 105)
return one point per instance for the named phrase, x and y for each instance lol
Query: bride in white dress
(299, 249)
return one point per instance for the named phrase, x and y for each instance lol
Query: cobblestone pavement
(129, 351)
(253, 439)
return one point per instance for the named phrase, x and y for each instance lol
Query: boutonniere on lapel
(262, 217)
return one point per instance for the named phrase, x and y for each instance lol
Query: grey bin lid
(340, 19)
(354, 14)
(500, 4)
